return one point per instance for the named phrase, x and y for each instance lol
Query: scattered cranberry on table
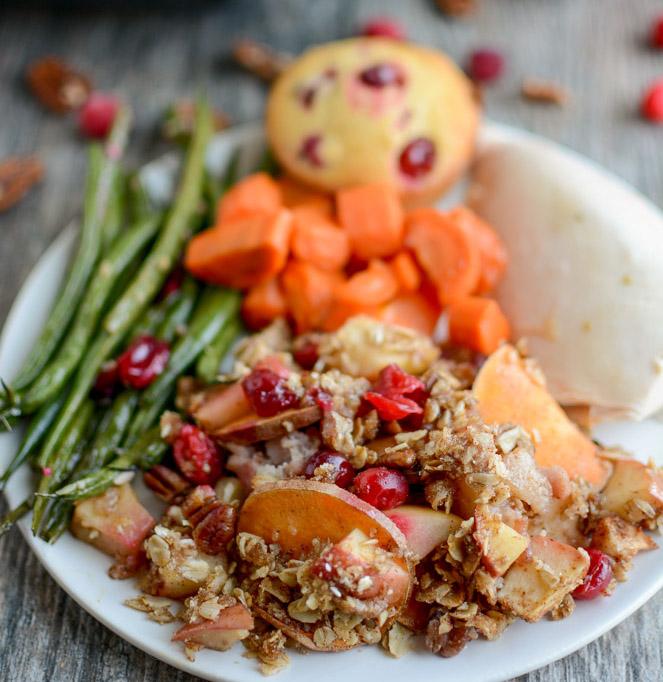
(97, 115)
(657, 33)
(196, 456)
(381, 487)
(268, 393)
(383, 27)
(142, 362)
(342, 469)
(417, 158)
(652, 103)
(598, 576)
(485, 65)
(382, 75)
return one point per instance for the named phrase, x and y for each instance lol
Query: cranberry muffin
(369, 109)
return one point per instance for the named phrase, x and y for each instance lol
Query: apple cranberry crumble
(355, 488)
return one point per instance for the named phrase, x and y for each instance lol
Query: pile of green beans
(110, 297)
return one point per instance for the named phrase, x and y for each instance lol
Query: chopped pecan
(17, 175)
(167, 484)
(456, 8)
(213, 521)
(543, 92)
(260, 59)
(57, 86)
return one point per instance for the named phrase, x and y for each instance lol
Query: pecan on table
(58, 86)
(17, 175)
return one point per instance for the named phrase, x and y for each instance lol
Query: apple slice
(632, 481)
(297, 513)
(252, 429)
(540, 578)
(500, 545)
(424, 529)
(508, 391)
(219, 405)
(232, 625)
(114, 522)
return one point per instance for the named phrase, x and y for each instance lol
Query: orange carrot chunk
(477, 323)
(406, 272)
(493, 252)
(373, 286)
(318, 241)
(295, 194)
(309, 294)
(372, 216)
(446, 251)
(243, 252)
(411, 310)
(263, 303)
(257, 193)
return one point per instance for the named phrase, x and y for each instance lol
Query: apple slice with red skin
(296, 513)
(232, 625)
(424, 529)
(630, 481)
(252, 428)
(114, 522)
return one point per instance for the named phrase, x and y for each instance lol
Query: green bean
(140, 204)
(209, 361)
(178, 316)
(116, 211)
(169, 246)
(213, 311)
(146, 284)
(14, 515)
(103, 169)
(111, 268)
(58, 521)
(35, 432)
(63, 461)
(147, 451)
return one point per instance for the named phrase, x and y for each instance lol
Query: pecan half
(261, 60)
(57, 86)
(543, 92)
(166, 484)
(213, 521)
(456, 8)
(17, 175)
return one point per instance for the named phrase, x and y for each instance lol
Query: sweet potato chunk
(508, 392)
(252, 429)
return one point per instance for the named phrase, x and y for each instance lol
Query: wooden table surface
(595, 48)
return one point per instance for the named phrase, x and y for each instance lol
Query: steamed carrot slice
(263, 303)
(294, 193)
(243, 252)
(493, 252)
(477, 323)
(309, 294)
(406, 271)
(257, 193)
(372, 215)
(411, 310)
(446, 251)
(508, 391)
(318, 241)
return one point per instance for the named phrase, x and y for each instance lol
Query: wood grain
(595, 48)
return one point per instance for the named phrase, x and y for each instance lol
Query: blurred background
(592, 60)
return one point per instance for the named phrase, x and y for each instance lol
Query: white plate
(81, 570)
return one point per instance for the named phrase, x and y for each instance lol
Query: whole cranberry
(598, 576)
(268, 393)
(417, 158)
(382, 75)
(652, 103)
(485, 66)
(394, 381)
(196, 456)
(172, 284)
(142, 362)
(306, 355)
(342, 469)
(381, 487)
(97, 115)
(383, 27)
(392, 409)
(107, 382)
(321, 398)
(657, 33)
